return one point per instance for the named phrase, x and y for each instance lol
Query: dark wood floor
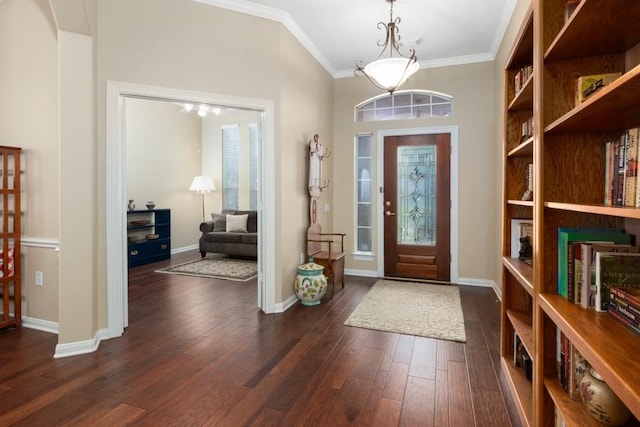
(198, 352)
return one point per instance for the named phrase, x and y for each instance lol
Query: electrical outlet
(38, 278)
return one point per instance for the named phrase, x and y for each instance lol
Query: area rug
(413, 309)
(216, 268)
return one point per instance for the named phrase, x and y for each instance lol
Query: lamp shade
(202, 184)
(390, 73)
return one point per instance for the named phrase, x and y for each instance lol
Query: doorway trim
(453, 132)
(115, 194)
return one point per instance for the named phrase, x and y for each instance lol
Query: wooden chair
(327, 250)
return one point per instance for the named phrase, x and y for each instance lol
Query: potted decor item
(602, 403)
(151, 205)
(311, 284)
(132, 205)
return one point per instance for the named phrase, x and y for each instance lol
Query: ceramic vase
(132, 205)
(601, 402)
(311, 284)
(150, 205)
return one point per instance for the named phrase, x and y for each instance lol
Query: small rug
(413, 309)
(216, 268)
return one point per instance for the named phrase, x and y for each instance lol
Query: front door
(417, 206)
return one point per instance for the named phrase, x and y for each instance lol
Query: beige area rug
(216, 268)
(412, 309)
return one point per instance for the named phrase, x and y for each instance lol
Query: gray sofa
(215, 237)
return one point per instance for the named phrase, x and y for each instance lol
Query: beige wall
(163, 155)
(473, 90)
(522, 6)
(29, 119)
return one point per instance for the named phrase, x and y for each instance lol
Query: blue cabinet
(148, 236)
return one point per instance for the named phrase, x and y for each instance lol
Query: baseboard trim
(482, 283)
(185, 249)
(40, 325)
(81, 347)
(286, 304)
(361, 273)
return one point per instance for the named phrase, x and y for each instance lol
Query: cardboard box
(588, 85)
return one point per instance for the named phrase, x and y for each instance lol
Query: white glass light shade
(390, 73)
(202, 184)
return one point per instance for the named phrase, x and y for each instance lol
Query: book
(589, 250)
(623, 309)
(615, 269)
(570, 235)
(631, 308)
(631, 168)
(588, 85)
(620, 318)
(632, 295)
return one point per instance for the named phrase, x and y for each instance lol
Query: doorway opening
(413, 264)
(116, 203)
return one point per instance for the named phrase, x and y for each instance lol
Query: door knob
(389, 213)
(387, 203)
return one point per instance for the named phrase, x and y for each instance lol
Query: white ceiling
(340, 33)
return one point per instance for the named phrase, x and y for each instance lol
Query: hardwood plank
(396, 381)
(267, 417)
(418, 408)
(404, 349)
(388, 413)
(489, 408)
(423, 358)
(106, 417)
(442, 398)
(460, 404)
(372, 404)
(366, 364)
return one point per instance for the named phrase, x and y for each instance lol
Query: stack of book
(621, 186)
(522, 76)
(624, 306)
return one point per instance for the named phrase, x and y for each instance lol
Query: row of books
(521, 357)
(590, 260)
(527, 128)
(624, 306)
(571, 365)
(521, 77)
(621, 187)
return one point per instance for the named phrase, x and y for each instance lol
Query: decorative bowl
(140, 222)
(152, 236)
(132, 239)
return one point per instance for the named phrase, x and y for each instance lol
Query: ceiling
(340, 33)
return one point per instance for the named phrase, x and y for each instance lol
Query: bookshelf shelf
(616, 34)
(615, 211)
(527, 203)
(573, 412)
(525, 149)
(523, 99)
(614, 107)
(521, 322)
(607, 345)
(521, 271)
(521, 388)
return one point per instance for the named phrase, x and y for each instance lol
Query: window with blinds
(230, 166)
(253, 166)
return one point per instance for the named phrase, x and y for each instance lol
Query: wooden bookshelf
(567, 151)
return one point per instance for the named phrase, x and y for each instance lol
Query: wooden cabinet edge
(522, 272)
(616, 211)
(521, 390)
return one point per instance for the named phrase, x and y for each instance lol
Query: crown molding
(277, 15)
(507, 14)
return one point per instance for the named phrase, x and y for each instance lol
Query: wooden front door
(417, 206)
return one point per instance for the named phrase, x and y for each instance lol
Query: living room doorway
(116, 190)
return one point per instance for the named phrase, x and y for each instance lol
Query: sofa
(225, 234)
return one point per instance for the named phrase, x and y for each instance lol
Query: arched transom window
(404, 104)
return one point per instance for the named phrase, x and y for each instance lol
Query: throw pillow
(219, 222)
(237, 223)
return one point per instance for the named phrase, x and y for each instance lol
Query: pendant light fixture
(389, 73)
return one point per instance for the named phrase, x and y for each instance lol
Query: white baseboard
(481, 282)
(361, 273)
(286, 304)
(184, 249)
(81, 347)
(40, 325)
